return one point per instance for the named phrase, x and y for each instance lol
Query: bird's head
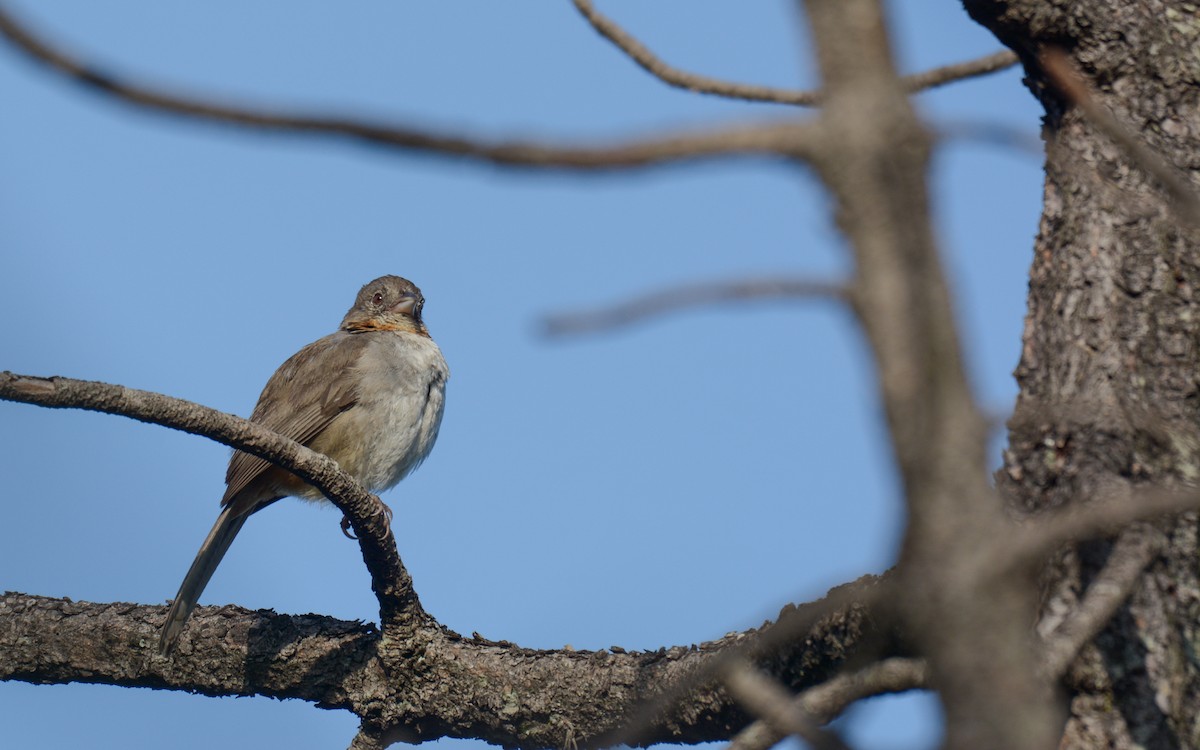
(389, 303)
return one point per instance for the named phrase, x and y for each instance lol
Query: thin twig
(693, 295)
(1069, 82)
(980, 66)
(828, 700)
(700, 84)
(762, 139)
(766, 698)
(1134, 550)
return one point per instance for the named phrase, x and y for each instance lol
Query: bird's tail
(223, 531)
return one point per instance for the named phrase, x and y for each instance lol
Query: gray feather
(207, 559)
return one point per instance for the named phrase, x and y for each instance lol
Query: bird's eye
(378, 298)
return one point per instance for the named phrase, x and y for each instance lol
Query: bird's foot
(382, 509)
(386, 511)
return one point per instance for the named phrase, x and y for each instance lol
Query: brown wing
(300, 400)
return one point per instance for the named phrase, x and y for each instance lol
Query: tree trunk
(1108, 373)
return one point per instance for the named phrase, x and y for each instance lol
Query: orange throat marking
(360, 326)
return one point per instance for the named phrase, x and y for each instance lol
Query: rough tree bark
(1108, 386)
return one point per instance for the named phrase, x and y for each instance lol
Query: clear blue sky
(661, 485)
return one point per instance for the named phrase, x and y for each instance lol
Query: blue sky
(659, 485)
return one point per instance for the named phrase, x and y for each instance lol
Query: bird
(370, 396)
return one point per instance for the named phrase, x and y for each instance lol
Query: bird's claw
(381, 509)
(386, 510)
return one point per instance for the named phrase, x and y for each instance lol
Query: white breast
(401, 399)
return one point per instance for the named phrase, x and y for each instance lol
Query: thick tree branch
(672, 76)
(764, 139)
(325, 661)
(551, 698)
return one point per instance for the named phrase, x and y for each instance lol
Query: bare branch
(389, 579)
(693, 295)
(1133, 552)
(1067, 79)
(828, 700)
(896, 675)
(861, 600)
(874, 160)
(559, 698)
(844, 614)
(766, 698)
(672, 76)
(1116, 509)
(981, 66)
(113, 643)
(763, 139)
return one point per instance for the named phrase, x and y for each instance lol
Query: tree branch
(551, 698)
(389, 579)
(1117, 508)
(940, 76)
(1134, 550)
(874, 159)
(693, 295)
(411, 682)
(828, 700)
(766, 698)
(866, 598)
(762, 139)
(672, 76)
(329, 662)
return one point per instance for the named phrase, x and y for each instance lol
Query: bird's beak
(406, 306)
